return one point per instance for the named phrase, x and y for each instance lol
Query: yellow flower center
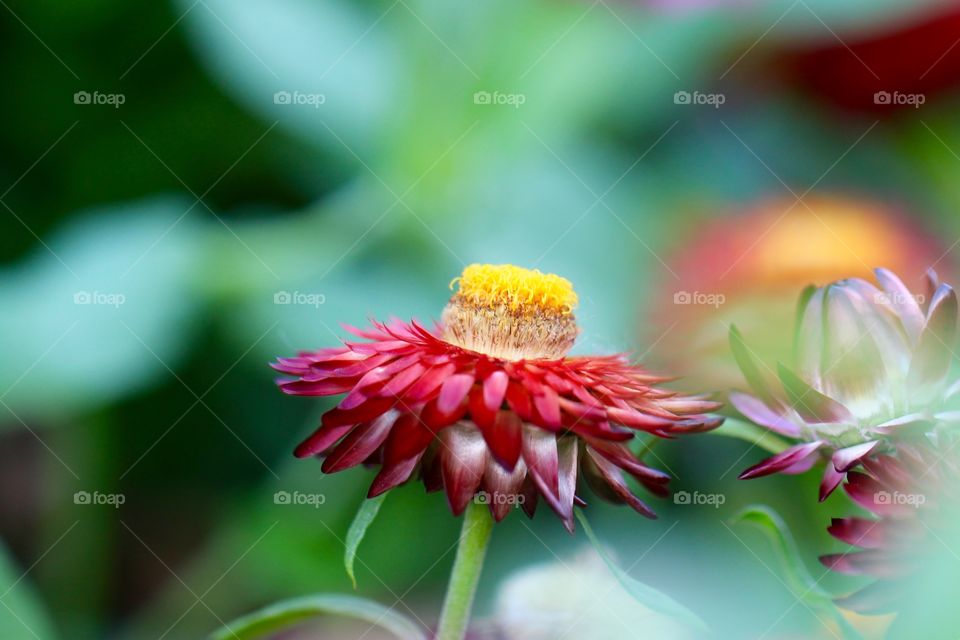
(511, 313)
(519, 289)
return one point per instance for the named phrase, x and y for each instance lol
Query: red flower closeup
(914, 494)
(487, 406)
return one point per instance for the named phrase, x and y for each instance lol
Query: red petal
(621, 456)
(328, 387)
(321, 439)
(559, 384)
(402, 380)
(453, 392)
(530, 495)
(436, 419)
(393, 474)
(877, 563)
(479, 413)
(463, 457)
(494, 389)
(849, 457)
(583, 411)
(505, 438)
(402, 451)
(567, 452)
(548, 408)
(353, 399)
(540, 454)
(876, 497)
(831, 480)
(361, 442)
(503, 488)
(429, 383)
(519, 401)
(614, 479)
(633, 418)
(601, 430)
(361, 367)
(859, 532)
(364, 413)
(783, 460)
(408, 438)
(392, 347)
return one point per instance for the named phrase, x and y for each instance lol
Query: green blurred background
(344, 152)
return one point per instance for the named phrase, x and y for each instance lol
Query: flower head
(914, 494)
(488, 406)
(871, 370)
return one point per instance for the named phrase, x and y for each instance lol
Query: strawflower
(489, 407)
(488, 404)
(871, 371)
(908, 547)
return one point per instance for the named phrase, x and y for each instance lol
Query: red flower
(914, 493)
(487, 406)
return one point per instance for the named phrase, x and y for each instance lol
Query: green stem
(477, 527)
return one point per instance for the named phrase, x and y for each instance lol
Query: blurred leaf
(795, 575)
(773, 526)
(358, 529)
(21, 615)
(644, 594)
(290, 612)
(101, 309)
(754, 434)
(288, 48)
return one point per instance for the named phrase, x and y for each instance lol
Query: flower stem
(477, 527)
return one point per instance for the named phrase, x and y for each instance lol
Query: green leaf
(754, 434)
(347, 74)
(358, 529)
(22, 616)
(290, 612)
(770, 523)
(107, 297)
(642, 593)
(796, 576)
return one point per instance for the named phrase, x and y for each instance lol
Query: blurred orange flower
(749, 268)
